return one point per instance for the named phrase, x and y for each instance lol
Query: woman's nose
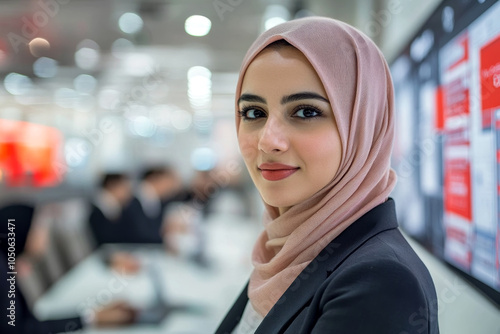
(273, 137)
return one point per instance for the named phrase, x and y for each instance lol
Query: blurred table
(205, 293)
(211, 291)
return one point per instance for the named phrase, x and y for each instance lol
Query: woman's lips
(276, 171)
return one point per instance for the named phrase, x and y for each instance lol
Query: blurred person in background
(203, 191)
(181, 230)
(106, 215)
(14, 307)
(315, 124)
(144, 214)
(184, 231)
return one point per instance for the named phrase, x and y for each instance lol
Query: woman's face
(287, 133)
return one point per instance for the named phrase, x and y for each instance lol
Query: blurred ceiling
(67, 63)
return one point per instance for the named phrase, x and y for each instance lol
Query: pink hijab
(358, 84)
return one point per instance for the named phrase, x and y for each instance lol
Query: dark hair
(153, 172)
(111, 179)
(279, 44)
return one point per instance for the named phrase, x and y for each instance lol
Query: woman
(315, 127)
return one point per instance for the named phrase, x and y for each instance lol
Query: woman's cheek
(248, 146)
(321, 147)
(310, 144)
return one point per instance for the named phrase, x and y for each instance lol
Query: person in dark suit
(106, 215)
(144, 214)
(17, 318)
(315, 125)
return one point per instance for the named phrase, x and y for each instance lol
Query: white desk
(212, 290)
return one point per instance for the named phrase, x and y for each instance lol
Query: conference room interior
(123, 111)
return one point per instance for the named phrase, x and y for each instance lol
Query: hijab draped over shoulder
(358, 84)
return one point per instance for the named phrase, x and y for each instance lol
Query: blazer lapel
(301, 291)
(233, 317)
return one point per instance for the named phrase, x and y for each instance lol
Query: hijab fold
(357, 81)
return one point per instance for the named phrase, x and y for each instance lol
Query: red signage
(29, 154)
(490, 80)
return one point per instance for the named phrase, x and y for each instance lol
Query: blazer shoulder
(384, 283)
(386, 258)
(391, 246)
(375, 275)
(373, 295)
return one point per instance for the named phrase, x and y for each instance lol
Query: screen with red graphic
(29, 154)
(447, 150)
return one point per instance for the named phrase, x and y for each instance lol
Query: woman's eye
(307, 112)
(252, 113)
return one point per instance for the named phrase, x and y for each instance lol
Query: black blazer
(367, 280)
(105, 230)
(140, 227)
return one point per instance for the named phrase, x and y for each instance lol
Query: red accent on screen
(464, 262)
(498, 254)
(456, 234)
(456, 98)
(490, 76)
(460, 236)
(457, 188)
(439, 116)
(28, 149)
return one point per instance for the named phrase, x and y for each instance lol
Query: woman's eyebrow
(303, 96)
(286, 99)
(251, 98)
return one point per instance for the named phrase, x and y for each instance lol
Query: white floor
(462, 309)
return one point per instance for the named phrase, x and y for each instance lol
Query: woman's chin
(281, 205)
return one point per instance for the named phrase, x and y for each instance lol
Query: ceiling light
(197, 25)
(273, 21)
(203, 159)
(88, 43)
(45, 67)
(39, 47)
(130, 23)
(17, 84)
(198, 71)
(144, 127)
(86, 58)
(274, 15)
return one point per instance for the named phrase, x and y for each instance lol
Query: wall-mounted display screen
(447, 150)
